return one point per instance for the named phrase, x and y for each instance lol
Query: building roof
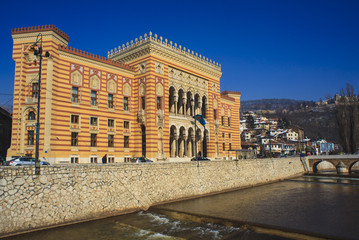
(95, 57)
(42, 28)
(152, 44)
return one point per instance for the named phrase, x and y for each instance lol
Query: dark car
(140, 160)
(201, 159)
(24, 161)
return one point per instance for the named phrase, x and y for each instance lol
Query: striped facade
(138, 101)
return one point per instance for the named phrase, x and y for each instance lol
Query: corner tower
(26, 87)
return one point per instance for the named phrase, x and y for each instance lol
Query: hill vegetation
(317, 120)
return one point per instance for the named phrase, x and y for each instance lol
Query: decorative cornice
(153, 44)
(40, 29)
(230, 92)
(228, 98)
(95, 57)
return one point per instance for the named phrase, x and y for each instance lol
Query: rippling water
(316, 206)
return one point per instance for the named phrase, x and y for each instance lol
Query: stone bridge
(343, 163)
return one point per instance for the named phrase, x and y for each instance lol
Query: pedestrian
(104, 159)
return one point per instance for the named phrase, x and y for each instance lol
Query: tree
(283, 123)
(347, 117)
(250, 122)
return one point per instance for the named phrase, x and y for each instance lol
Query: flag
(200, 119)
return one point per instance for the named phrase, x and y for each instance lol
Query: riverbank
(289, 209)
(75, 193)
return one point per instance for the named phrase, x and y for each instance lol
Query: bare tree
(347, 116)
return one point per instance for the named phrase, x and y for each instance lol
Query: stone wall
(70, 193)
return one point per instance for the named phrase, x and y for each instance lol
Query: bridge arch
(317, 163)
(352, 165)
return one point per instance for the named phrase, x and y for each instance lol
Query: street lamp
(201, 120)
(36, 47)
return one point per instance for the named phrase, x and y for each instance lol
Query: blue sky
(295, 49)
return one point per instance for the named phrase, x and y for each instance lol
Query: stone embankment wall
(70, 193)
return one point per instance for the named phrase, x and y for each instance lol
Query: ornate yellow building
(138, 101)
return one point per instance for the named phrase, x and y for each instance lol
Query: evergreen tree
(250, 122)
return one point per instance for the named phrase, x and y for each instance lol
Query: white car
(24, 161)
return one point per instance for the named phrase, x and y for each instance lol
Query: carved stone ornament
(171, 73)
(141, 117)
(159, 89)
(142, 68)
(229, 112)
(77, 67)
(111, 76)
(215, 104)
(160, 118)
(214, 87)
(222, 111)
(159, 68)
(216, 126)
(142, 89)
(30, 57)
(111, 86)
(127, 89)
(95, 82)
(76, 78)
(92, 72)
(30, 78)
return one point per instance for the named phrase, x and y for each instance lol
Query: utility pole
(37, 49)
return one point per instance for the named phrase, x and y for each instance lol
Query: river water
(307, 207)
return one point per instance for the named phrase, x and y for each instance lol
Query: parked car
(24, 161)
(140, 160)
(201, 159)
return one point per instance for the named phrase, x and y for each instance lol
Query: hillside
(273, 104)
(316, 121)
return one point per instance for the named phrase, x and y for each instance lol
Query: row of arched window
(187, 104)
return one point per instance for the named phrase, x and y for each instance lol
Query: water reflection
(304, 205)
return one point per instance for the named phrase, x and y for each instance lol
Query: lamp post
(37, 49)
(201, 120)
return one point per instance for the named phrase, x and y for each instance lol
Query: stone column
(176, 144)
(202, 146)
(173, 148)
(192, 107)
(185, 145)
(175, 103)
(180, 147)
(180, 104)
(192, 146)
(188, 109)
(199, 107)
(184, 100)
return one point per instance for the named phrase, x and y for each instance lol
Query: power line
(6, 103)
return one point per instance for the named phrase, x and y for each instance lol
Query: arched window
(31, 115)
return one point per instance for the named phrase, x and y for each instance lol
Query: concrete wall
(65, 194)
